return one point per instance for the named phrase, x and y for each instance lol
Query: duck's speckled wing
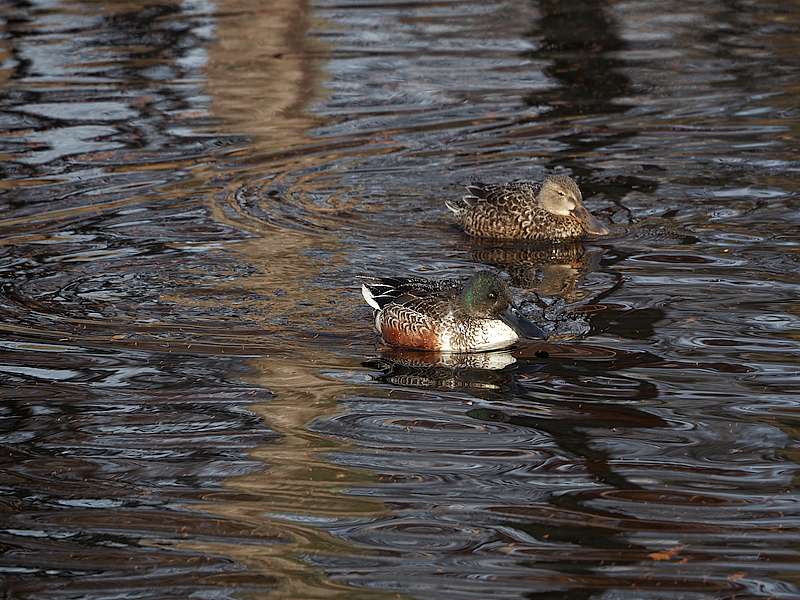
(410, 311)
(419, 295)
(514, 193)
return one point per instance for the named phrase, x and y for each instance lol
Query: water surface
(194, 402)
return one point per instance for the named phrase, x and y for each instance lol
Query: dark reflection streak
(618, 283)
(714, 38)
(507, 386)
(578, 36)
(16, 21)
(633, 323)
(570, 435)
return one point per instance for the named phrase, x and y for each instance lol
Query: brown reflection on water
(263, 74)
(556, 270)
(301, 491)
(264, 71)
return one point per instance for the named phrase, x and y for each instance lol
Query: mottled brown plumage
(525, 210)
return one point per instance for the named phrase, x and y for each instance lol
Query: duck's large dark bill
(590, 222)
(521, 325)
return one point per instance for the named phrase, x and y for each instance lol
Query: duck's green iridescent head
(485, 295)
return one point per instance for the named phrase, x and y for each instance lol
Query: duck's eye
(562, 193)
(492, 296)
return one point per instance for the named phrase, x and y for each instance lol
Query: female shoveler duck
(525, 210)
(448, 315)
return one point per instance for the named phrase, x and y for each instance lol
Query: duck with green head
(552, 210)
(447, 316)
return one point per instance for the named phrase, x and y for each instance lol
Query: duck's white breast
(494, 334)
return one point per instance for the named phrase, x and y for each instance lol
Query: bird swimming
(525, 210)
(448, 315)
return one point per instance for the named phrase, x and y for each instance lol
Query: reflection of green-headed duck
(466, 370)
(525, 210)
(449, 316)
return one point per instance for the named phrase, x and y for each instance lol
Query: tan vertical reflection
(262, 75)
(262, 70)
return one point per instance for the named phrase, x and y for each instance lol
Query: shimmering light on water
(194, 403)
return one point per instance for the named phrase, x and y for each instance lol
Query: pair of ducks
(479, 314)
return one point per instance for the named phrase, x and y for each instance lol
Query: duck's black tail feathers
(475, 193)
(378, 291)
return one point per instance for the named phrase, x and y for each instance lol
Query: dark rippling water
(194, 404)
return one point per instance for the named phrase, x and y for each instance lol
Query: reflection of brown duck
(553, 270)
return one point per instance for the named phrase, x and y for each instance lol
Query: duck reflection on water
(444, 370)
(552, 270)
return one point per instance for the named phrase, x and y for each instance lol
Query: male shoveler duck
(447, 316)
(525, 210)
